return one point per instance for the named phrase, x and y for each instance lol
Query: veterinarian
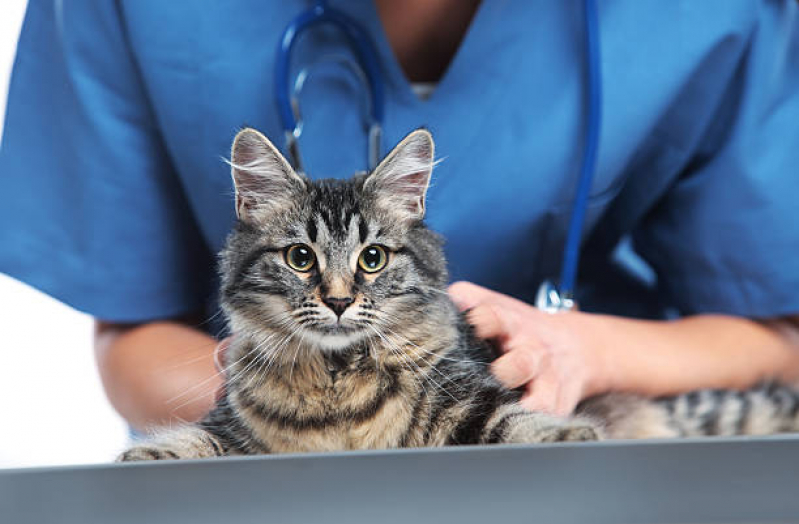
(114, 197)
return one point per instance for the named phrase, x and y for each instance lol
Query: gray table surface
(693, 481)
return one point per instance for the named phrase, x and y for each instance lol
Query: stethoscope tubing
(550, 298)
(359, 42)
(571, 248)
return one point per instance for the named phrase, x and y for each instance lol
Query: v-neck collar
(394, 75)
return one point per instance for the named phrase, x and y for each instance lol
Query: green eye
(300, 257)
(373, 258)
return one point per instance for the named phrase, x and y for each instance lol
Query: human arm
(97, 215)
(721, 238)
(563, 358)
(158, 372)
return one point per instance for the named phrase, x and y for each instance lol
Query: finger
(542, 395)
(516, 368)
(467, 295)
(221, 392)
(567, 403)
(489, 321)
(220, 352)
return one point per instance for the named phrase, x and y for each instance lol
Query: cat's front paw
(570, 432)
(147, 452)
(539, 428)
(188, 442)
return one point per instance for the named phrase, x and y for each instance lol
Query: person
(114, 196)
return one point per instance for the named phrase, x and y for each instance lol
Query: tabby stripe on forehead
(289, 420)
(363, 229)
(350, 213)
(333, 223)
(311, 227)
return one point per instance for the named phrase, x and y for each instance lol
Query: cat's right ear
(263, 178)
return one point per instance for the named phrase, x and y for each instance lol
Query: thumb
(467, 295)
(220, 354)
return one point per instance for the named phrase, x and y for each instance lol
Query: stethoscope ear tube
(363, 48)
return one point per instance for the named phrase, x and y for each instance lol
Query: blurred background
(53, 407)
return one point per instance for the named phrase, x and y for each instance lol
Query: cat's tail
(764, 410)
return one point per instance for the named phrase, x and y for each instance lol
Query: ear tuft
(401, 180)
(263, 179)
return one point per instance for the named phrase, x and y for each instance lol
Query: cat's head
(330, 262)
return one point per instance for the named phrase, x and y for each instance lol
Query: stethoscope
(366, 69)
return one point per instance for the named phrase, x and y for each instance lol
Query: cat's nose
(337, 304)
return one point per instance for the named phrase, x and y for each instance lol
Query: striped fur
(399, 367)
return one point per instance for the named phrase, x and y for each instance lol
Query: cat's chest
(338, 410)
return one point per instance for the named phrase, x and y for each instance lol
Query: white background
(52, 407)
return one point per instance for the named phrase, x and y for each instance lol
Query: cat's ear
(263, 178)
(401, 180)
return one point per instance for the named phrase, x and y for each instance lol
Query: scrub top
(114, 195)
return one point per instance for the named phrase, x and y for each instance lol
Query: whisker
(432, 365)
(223, 372)
(410, 361)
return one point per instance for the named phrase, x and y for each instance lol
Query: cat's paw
(188, 442)
(539, 428)
(570, 432)
(147, 452)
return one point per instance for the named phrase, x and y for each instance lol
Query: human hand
(551, 355)
(220, 361)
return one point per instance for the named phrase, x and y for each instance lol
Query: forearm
(157, 373)
(706, 351)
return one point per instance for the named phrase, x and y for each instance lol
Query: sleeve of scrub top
(91, 211)
(725, 238)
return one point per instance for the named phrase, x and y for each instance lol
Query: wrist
(598, 345)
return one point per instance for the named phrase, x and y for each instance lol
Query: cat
(344, 337)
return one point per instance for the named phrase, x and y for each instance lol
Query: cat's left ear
(401, 180)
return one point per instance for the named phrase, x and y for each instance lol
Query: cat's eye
(300, 257)
(373, 258)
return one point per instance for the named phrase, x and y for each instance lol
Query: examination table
(740, 480)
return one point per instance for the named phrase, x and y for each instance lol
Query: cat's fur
(400, 368)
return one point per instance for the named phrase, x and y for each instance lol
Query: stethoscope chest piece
(550, 300)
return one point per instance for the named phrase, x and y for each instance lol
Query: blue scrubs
(114, 196)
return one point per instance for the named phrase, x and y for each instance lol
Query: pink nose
(337, 304)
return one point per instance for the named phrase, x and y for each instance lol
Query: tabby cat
(343, 336)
